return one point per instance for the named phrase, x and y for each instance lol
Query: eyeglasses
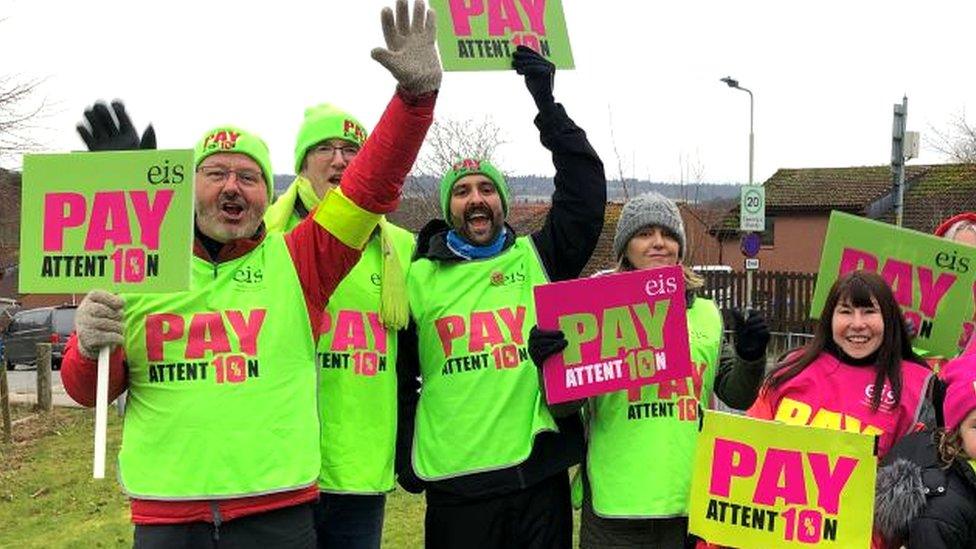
(348, 151)
(218, 175)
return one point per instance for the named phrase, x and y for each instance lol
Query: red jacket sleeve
(374, 178)
(79, 374)
(372, 182)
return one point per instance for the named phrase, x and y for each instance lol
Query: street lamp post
(733, 83)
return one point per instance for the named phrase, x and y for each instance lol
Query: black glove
(540, 74)
(751, 335)
(102, 133)
(545, 343)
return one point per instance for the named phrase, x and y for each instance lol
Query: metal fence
(783, 297)
(779, 344)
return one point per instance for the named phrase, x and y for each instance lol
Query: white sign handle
(101, 412)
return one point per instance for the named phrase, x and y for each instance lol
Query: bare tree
(450, 140)
(620, 165)
(691, 171)
(447, 141)
(9, 218)
(20, 106)
(957, 141)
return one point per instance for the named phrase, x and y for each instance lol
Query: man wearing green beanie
(486, 449)
(371, 299)
(327, 141)
(221, 436)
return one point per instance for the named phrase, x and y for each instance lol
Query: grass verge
(48, 498)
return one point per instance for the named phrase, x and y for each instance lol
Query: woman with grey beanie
(640, 448)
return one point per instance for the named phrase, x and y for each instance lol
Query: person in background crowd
(357, 449)
(960, 228)
(630, 500)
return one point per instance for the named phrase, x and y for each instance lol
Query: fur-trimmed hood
(922, 503)
(899, 498)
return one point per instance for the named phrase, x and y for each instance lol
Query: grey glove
(410, 54)
(98, 322)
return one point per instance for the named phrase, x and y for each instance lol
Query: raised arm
(575, 220)
(327, 244)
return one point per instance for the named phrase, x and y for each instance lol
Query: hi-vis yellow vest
(357, 358)
(222, 383)
(480, 404)
(641, 448)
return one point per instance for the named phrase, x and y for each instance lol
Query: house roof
(528, 218)
(932, 190)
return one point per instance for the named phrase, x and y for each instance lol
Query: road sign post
(752, 208)
(752, 217)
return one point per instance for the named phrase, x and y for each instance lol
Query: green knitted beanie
(228, 139)
(471, 166)
(324, 122)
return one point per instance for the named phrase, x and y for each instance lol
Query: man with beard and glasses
(220, 444)
(492, 459)
(357, 449)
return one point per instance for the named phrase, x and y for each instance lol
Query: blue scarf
(465, 249)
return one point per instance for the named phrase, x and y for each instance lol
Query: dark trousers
(349, 521)
(539, 516)
(597, 532)
(290, 527)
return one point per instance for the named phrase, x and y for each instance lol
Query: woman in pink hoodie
(859, 372)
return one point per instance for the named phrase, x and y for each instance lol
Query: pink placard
(624, 330)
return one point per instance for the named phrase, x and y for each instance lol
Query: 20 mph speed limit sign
(752, 208)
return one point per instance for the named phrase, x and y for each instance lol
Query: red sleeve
(79, 374)
(321, 261)
(372, 181)
(374, 178)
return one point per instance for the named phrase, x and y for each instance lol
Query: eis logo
(249, 278)
(499, 278)
(887, 398)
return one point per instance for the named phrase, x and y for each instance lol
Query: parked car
(32, 326)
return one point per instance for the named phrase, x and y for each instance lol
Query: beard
(228, 218)
(480, 225)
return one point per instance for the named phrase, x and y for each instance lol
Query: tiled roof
(933, 190)
(527, 218)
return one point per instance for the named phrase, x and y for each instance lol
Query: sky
(825, 75)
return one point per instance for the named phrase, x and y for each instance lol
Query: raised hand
(410, 54)
(539, 73)
(105, 133)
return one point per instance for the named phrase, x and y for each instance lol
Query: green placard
(481, 35)
(932, 278)
(118, 221)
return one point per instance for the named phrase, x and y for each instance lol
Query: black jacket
(921, 503)
(564, 244)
